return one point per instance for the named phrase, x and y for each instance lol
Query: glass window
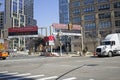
(104, 7)
(89, 9)
(105, 24)
(88, 2)
(117, 5)
(89, 17)
(103, 0)
(16, 22)
(117, 13)
(15, 7)
(105, 15)
(21, 18)
(76, 20)
(76, 12)
(90, 26)
(117, 23)
(76, 4)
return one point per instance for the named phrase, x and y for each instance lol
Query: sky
(46, 12)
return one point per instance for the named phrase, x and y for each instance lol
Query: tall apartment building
(18, 13)
(28, 11)
(97, 17)
(1, 19)
(64, 11)
(1, 15)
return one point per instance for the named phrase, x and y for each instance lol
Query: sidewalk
(48, 54)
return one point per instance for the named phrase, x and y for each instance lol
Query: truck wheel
(110, 54)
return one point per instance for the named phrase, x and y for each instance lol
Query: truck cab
(110, 46)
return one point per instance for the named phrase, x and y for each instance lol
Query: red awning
(23, 29)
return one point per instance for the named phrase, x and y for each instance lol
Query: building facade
(97, 17)
(29, 12)
(64, 11)
(70, 40)
(19, 13)
(1, 20)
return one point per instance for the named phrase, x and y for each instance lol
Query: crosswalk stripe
(72, 78)
(47, 78)
(4, 72)
(8, 74)
(11, 73)
(16, 75)
(34, 76)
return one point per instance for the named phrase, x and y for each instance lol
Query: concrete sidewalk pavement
(49, 54)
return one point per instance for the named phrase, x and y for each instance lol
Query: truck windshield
(106, 43)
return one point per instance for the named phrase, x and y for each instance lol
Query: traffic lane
(83, 68)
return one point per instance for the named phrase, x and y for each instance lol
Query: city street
(60, 68)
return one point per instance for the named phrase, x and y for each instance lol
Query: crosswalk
(5, 75)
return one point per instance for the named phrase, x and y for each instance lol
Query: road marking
(4, 72)
(10, 73)
(91, 79)
(47, 78)
(18, 75)
(34, 76)
(72, 78)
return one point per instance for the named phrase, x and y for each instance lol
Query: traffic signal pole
(51, 47)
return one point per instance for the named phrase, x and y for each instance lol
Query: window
(89, 17)
(117, 5)
(16, 22)
(76, 12)
(88, 2)
(21, 18)
(89, 9)
(105, 24)
(103, 1)
(105, 15)
(117, 23)
(90, 26)
(104, 7)
(76, 4)
(117, 14)
(76, 20)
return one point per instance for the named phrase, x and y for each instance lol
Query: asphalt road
(60, 68)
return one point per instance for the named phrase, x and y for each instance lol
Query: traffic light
(70, 26)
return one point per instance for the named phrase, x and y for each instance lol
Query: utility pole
(50, 35)
(82, 38)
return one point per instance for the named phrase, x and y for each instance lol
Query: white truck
(110, 46)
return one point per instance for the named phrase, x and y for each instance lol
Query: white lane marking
(91, 79)
(34, 76)
(4, 72)
(47, 78)
(11, 73)
(72, 78)
(26, 74)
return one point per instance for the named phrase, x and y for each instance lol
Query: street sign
(51, 43)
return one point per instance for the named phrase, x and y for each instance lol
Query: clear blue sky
(46, 12)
